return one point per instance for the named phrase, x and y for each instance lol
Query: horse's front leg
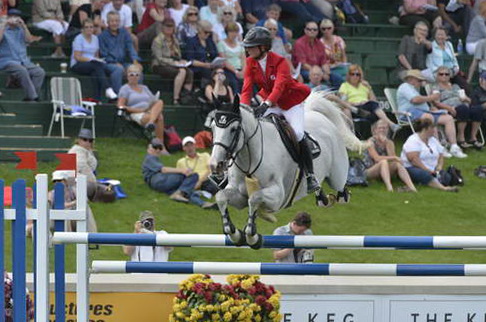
(239, 201)
(269, 198)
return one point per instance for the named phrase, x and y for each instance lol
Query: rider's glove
(260, 110)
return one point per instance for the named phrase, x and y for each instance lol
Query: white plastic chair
(391, 96)
(66, 96)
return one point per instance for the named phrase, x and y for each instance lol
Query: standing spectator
(381, 160)
(146, 225)
(235, 5)
(142, 105)
(218, 88)
(300, 225)
(47, 15)
(479, 60)
(231, 49)
(125, 13)
(423, 156)
(226, 16)
(457, 104)
(90, 10)
(411, 101)
(303, 10)
(14, 36)
(177, 10)
(273, 12)
(201, 50)
(210, 12)
(117, 49)
(151, 25)
(413, 50)
(254, 10)
(335, 48)
(168, 63)
(443, 55)
(477, 30)
(478, 100)
(197, 162)
(86, 162)
(456, 15)
(188, 27)
(357, 92)
(85, 60)
(413, 11)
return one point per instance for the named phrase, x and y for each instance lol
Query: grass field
(372, 211)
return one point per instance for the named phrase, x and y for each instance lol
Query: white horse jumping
(250, 147)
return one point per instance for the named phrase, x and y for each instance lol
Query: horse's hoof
(344, 196)
(255, 242)
(321, 199)
(238, 238)
(332, 200)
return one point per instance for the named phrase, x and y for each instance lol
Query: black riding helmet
(258, 36)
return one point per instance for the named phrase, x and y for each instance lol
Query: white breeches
(295, 117)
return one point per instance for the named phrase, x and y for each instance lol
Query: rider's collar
(224, 119)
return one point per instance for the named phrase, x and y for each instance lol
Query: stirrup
(312, 184)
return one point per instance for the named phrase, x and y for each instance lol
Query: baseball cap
(188, 139)
(146, 214)
(14, 12)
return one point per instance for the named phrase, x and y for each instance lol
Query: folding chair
(67, 102)
(391, 96)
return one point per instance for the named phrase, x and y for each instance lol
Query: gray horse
(252, 152)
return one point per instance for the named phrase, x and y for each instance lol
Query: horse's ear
(216, 102)
(236, 103)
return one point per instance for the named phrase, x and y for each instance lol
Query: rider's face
(253, 52)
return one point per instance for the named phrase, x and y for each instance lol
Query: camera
(147, 224)
(306, 256)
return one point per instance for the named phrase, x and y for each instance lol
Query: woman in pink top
(334, 47)
(413, 11)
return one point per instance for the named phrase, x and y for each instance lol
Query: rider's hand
(260, 110)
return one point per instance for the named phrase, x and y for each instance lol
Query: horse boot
(306, 159)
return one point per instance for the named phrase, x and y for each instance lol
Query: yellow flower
(272, 314)
(176, 308)
(277, 318)
(257, 318)
(227, 317)
(215, 317)
(179, 315)
(209, 308)
(183, 304)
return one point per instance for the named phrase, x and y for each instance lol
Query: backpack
(480, 171)
(451, 177)
(356, 173)
(172, 139)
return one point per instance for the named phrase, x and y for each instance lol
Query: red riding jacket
(277, 85)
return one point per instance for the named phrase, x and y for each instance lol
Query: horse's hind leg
(222, 197)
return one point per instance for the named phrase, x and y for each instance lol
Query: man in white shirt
(146, 225)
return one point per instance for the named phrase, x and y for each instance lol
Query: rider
(281, 94)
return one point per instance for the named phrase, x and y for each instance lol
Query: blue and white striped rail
(290, 269)
(330, 242)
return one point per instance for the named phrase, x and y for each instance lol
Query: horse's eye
(233, 130)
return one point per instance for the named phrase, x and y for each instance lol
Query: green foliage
(372, 211)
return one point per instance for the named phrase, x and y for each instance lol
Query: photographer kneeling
(146, 225)
(300, 225)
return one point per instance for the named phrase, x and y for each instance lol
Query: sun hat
(415, 73)
(188, 139)
(146, 214)
(85, 134)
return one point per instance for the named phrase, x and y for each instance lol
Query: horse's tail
(318, 102)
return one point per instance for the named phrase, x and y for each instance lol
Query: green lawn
(372, 211)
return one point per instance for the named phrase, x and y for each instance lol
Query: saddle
(289, 139)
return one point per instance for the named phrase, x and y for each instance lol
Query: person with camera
(146, 225)
(300, 225)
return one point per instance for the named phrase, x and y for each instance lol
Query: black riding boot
(306, 157)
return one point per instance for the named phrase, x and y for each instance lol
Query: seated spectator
(74, 6)
(479, 60)
(231, 49)
(218, 87)
(458, 104)
(303, 10)
(235, 5)
(381, 160)
(273, 12)
(86, 162)
(335, 48)
(300, 225)
(443, 55)
(357, 92)
(456, 15)
(146, 225)
(168, 63)
(201, 50)
(178, 183)
(197, 162)
(47, 15)
(125, 13)
(117, 50)
(142, 105)
(226, 16)
(151, 25)
(90, 10)
(14, 37)
(413, 50)
(477, 30)
(478, 100)
(85, 60)
(423, 156)
(317, 80)
(177, 10)
(210, 12)
(188, 27)
(413, 11)
(254, 10)
(411, 101)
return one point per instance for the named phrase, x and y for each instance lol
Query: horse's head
(226, 134)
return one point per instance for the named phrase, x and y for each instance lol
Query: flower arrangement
(244, 299)
(8, 288)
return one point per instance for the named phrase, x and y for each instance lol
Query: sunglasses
(326, 28)
(192, 14)
(274, 29)
(444, 74)
(134, 74)
(311, 29)
(169, 26)
(228, 13)
(208, 32)
(87, 140)
(355, 74)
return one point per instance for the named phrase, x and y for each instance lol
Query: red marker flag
(28, 160)
(67, 161)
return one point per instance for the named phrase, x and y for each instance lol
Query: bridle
(222, 120)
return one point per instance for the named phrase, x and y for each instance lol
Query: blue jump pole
(59, 260)
(19, 251)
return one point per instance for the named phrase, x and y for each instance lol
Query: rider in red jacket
(281, 93)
